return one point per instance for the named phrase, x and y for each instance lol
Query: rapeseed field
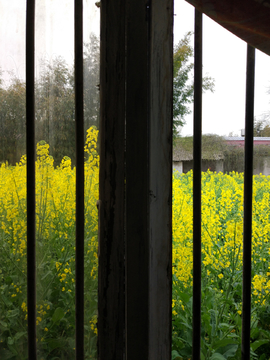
(222, 238)
(222, 261)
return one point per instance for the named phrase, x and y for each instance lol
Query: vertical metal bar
(137, 204)
(197, 139)
(248, 178)
(160, 179)
(111, 271)
(79, 295)
(31, 201)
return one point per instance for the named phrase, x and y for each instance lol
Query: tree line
(54, 103)
(54, 107)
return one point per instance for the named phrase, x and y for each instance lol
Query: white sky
(54, 34)
(224, 56)
(224, 59)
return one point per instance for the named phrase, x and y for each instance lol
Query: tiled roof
(239, 138)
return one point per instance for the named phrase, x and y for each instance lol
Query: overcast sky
(224, 59)
(54, 31)
(224, 56)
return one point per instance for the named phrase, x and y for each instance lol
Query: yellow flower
(24, 307)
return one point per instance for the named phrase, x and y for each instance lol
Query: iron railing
(146, 308)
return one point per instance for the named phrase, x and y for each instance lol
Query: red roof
(240, 141)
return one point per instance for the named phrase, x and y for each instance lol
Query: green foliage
(12, 121)
(182, 89)
(211, 144)
(55, 256)
(234, 157)
(183, 83)
(261, 128)
(214, 146)
(222, 267)
(91, 82)
(54, 107)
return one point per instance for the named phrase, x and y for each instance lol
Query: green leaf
(184, 297)
(12, 313)
(3, 325)
(6, 300)
(202, 356)
(10, 341)
(176, 356)
(217, 356)
(48, 273)
(225, 325)
(58, 315)
(6, 354)
(55, 343)
(12, 349)
(256, 344)
(222, 343)
(213, 314)
(230, 351)
(18, 335)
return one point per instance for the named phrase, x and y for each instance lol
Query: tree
(261, 128)
(12, 120)
(55, 118)
(55, 101)
(91, 82)
(54, 106)
(182, 82)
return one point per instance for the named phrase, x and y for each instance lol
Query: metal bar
(79, 294)
(160, 179)
(197, 139)
(31, 200)
(248, 178)
(137, 180)
(111, 271)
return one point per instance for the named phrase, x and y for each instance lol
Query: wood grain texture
(137, 180)
(135, 188)
(111, 299)
(160, 179)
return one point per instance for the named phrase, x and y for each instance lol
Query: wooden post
(160, 179)
(136, 104)
(111, 298)
(137, 180)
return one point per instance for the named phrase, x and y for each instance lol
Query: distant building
(240, 140)
(183, 160)
(222, 154)
(261, 159)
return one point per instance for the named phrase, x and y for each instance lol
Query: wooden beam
(111, 299)
(144, 95)
(247, 19)
(137, 180)
(160, 179)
